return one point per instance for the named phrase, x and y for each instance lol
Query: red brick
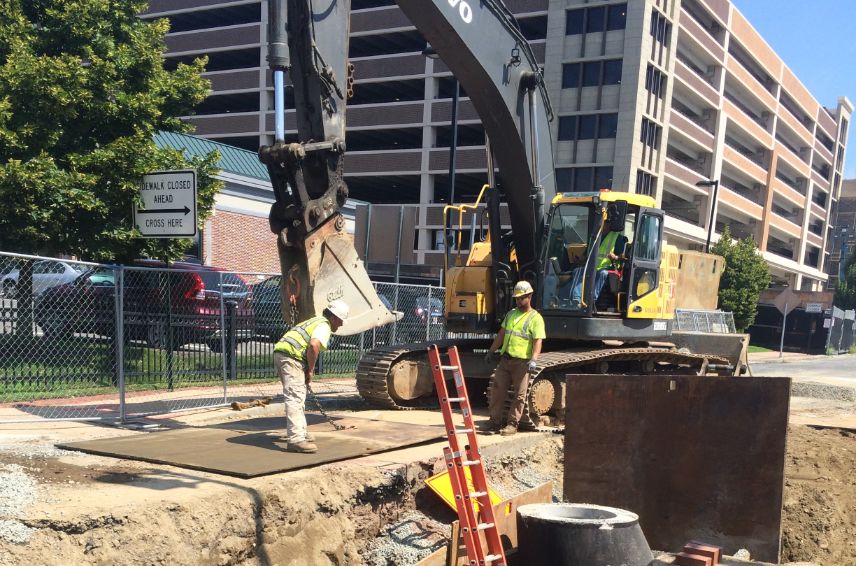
(697, 547)
(684, 559)
(240, 242)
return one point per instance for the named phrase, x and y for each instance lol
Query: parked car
(47, 273)
(424, 320)
(186, 298)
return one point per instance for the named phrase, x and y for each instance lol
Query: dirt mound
(819, 519)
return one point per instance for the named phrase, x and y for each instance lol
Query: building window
(602, 178)
(574, 21)
(612, 72)
(567, 128)
(596, 19)
(592, 73)
(571, 75)
(584, 179)
(588, 126)
(661, 29)
(650, 134)
(646, 184)
(616, 17)
(608, 125)
(655, 81)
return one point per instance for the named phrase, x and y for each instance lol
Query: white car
(46, 274)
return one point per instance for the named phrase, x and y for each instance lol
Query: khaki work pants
(294, 392)
(509, 373)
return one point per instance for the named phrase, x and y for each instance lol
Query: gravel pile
(823, 391)
(407, 541)
(19, 490)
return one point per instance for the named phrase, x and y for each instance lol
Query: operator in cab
(611, 247)
(294, 357)
(519, 345)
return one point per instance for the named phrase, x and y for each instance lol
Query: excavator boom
(484, 47)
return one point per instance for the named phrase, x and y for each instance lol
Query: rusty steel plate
(695, 457)
(256, 447)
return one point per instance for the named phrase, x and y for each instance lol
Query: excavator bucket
(324, 267)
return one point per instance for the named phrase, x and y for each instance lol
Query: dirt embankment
(347, 514)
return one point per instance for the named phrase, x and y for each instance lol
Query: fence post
(223, 348)
(428, 317)
(119, 285)
(231, 339)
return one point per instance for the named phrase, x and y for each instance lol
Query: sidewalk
(767, 357)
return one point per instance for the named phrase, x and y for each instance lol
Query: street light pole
(715, 184)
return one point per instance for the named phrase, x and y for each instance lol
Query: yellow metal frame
(461, 209)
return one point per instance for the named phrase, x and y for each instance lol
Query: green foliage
(746, 274)
(845, 295)
(83, 89)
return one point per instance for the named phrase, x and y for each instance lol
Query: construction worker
(519, 344)
(611, 247)
(294, 357)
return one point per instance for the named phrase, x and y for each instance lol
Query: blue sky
(817, 40)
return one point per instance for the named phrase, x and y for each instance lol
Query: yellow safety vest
(606, 246)
(517, 342)
(294, 342)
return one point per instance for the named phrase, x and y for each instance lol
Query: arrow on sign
(185, 210)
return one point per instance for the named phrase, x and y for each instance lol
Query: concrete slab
(256, 447)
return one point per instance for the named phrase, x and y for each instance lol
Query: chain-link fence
(704, 321)
(87, 341)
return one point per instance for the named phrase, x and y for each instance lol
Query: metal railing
(704, 321)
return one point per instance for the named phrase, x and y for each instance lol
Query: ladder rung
(449, 367)
(455, 399)
(491, 558)
(484, 526)
(477, 494)
(470, 462)
(461, 431)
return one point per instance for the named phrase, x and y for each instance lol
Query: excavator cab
(602, 257)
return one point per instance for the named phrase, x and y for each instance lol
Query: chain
(321, 410)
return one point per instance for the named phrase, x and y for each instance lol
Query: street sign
(814, 307)
(786, 301)
(168, 208)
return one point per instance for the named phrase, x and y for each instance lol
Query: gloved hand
(530, 367)
(490, 358)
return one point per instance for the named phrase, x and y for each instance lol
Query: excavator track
(376, 366)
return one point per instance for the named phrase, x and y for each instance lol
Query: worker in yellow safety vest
(611, 247)
(294, 357)
(519, 345)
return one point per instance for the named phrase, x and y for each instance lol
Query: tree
(746, 274)
(845, 295)
(83, 89)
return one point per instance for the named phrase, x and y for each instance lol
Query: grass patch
(754, 349)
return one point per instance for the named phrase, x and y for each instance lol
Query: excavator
(618, 322)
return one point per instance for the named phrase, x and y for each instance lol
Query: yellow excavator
(597, 321)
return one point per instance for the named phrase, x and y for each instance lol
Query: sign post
(167, 207)
(785, 302)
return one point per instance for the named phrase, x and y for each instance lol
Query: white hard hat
(339, 309)
(522, 288)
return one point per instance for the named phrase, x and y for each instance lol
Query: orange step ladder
(457, 460)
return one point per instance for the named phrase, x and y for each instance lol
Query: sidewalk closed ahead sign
(168, 205)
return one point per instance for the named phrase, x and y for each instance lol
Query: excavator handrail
(461, 209)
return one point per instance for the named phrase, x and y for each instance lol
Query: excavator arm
(484, 48)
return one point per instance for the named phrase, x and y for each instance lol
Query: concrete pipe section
(579, 534)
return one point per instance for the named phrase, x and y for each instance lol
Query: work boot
(509, 430)
(310, 437)
(488, 427)
(304, 447)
